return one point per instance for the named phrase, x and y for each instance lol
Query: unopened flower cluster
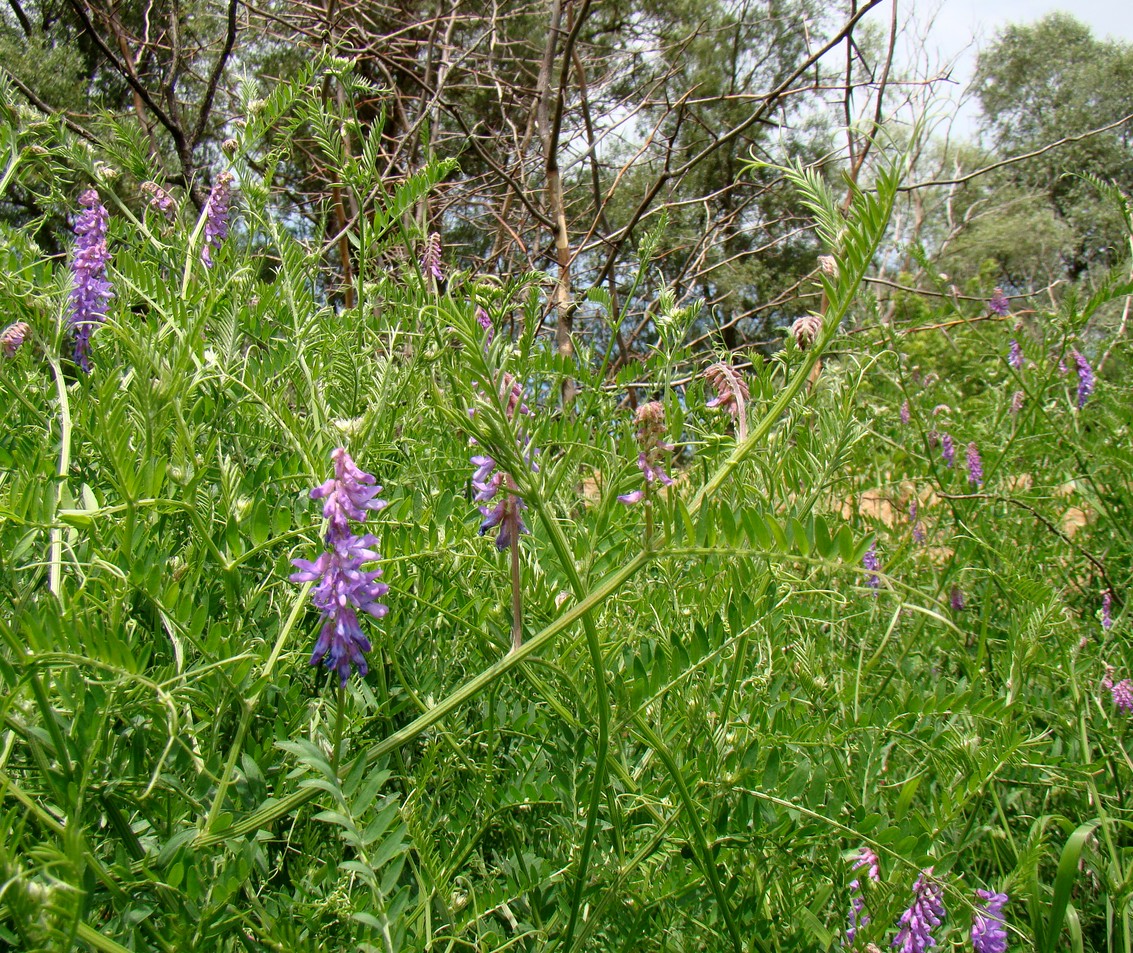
(731, 389)
(12, 338)
(650, 420)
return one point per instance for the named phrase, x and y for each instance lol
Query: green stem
(516, 590)
(338, 728)
(708, 864)
(601, 749)
(56, 573)
(251, 705)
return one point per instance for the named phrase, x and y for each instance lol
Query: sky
(958, 22)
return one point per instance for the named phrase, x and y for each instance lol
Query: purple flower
(868, 859)
(1015, 355)
(485, 321)
(216, 216)
(487, 481)
(1017, 401)
(90, 291)
(344, 589)
(918, 533)
(650, 420)
(989, 934)
(160, 200)
(905, 413)
(957, 599)
(872, 564)
(947, 449)
(1122, 694)
(1085, 378)
(975, 467)
(431, 257)
(998, 303)
(1107, 609)
(12, 337)
(923, 915)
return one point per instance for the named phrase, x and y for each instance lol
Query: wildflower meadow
(352, 609)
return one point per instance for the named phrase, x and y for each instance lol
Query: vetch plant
(989, 933)
(858, 918)
(924, 915)
(975, 466)
(216, 216)
(872, 566)
(343, 587)
(1085, 378)
(496, 485)
(160, 200)
(1121, 692)
(90, 289)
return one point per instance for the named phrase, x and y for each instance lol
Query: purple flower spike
(90, 291)
(989, 934)
(1015, 356)
(999, 304)
(1107, 610)
(947, 449)
(872, 565)
(1017, 401)
(12, 337)
(343, 588)
(216, 216)
(924, 914)
(1122, 694)
(485, 321)
(957, 599)
(975, 466)
(1085, 378)
(868, 859)
(905, 413)
(488, 480)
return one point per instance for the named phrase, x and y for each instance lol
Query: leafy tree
(1040, 83)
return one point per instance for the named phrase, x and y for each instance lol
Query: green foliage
(716, 703)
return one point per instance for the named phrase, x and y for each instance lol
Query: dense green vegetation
(690, 601)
